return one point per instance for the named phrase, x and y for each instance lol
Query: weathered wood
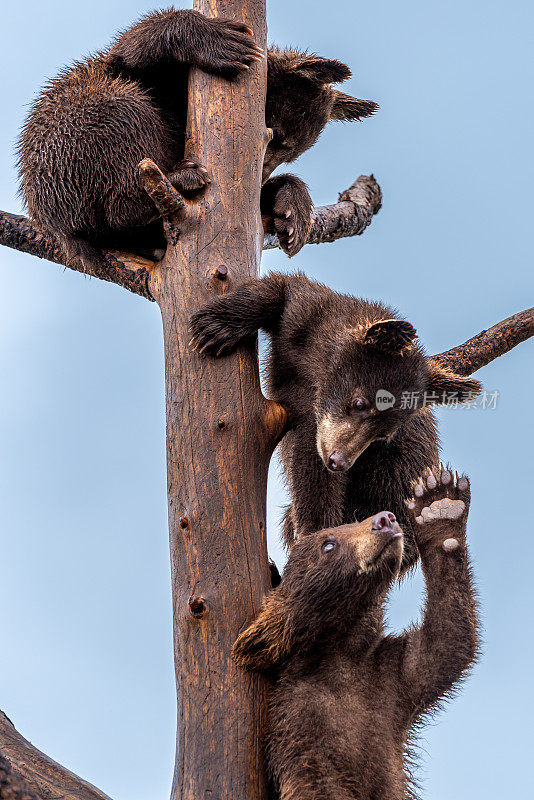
(126, 270)
(488, 345)
(218, 441)
(165, 197)
(31, 771)
(349, 217)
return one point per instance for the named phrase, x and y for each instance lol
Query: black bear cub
(345, 697)
(91, 126)
(333, 358)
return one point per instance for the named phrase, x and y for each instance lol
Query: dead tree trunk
(220, 437)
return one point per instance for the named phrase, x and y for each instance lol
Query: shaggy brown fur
(345, 697)
(330, 354)
(92, 125)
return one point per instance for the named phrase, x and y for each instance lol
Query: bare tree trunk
(220, 435)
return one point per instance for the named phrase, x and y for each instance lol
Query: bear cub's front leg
(215, 44)
(440, 506)
(287, 206)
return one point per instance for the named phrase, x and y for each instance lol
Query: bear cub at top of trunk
(91, 126)
(357, 386)
(345, 697)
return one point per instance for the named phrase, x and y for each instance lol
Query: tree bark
(220, 436)
(35, 775)
(486, 346)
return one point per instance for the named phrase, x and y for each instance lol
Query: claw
(446, 476)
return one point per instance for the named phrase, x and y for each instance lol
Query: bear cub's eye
(329, 545)
(359, 404)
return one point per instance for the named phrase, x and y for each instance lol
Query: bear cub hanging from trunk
(345, 697)
(358, 389)
(81, 145)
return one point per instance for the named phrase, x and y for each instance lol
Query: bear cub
(345, 697)
(91, 126)
(331, 357)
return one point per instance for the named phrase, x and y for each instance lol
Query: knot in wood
(197, 606)
(221, 272)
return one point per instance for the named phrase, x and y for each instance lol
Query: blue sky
(85, 612)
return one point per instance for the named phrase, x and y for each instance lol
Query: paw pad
(439, 495)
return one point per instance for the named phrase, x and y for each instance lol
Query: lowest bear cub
(87, 132)
(345, 697)
(332, 358)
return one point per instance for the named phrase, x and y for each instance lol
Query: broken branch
(165, 197)
(349, 217)
(128, 271)
(488, 345)
(29, 769)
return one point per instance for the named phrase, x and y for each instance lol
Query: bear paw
(291, 215)
(230, 48)
(440, 500)
(189, 177)
(211, 333)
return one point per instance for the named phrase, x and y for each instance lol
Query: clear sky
(85, 613)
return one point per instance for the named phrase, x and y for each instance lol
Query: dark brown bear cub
(345, 697)
(91, 126)
(333, 357)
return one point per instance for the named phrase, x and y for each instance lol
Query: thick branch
(127, 271)
(34, 775)
(349, 217)
(488, 345)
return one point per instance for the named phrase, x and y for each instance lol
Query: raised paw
(189, 177)
(287, 205)
(440, 504)
(230, 48)
(212, 334)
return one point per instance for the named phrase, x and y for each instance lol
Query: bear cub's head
(330, 579)
(301, 100)
(378, 377)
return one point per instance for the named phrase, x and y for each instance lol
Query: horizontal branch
(349, 217)
(128, 271)
(34, 775)
(488, 345)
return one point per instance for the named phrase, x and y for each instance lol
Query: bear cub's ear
(349, 108)
(390, 335)
(321, 70)
(266, 643)
(443, 383)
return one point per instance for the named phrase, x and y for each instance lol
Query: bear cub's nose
(336, 461)
(384, 522)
